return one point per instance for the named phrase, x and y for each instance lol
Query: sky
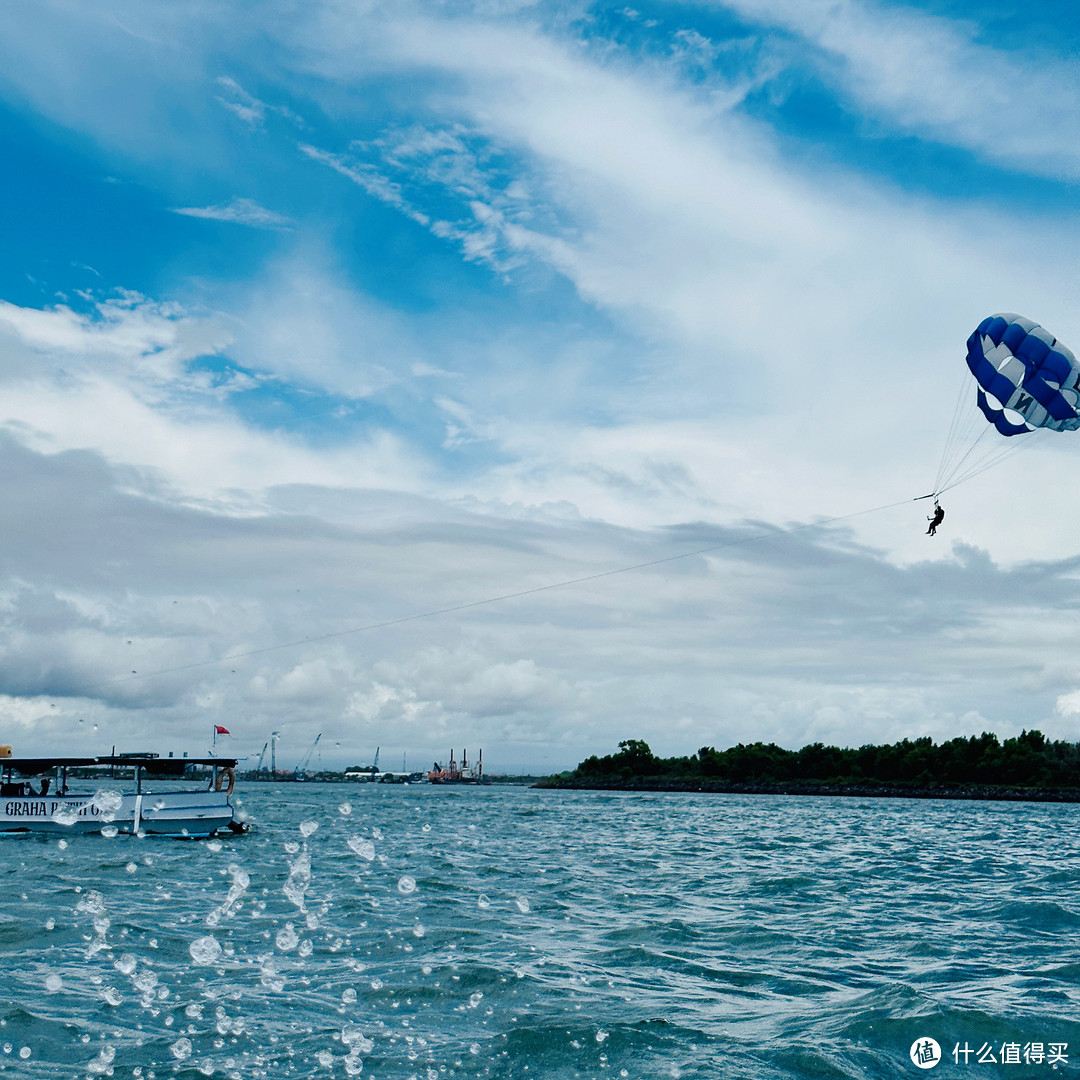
(347, 348)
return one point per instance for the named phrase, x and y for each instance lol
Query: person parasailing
(936, 518)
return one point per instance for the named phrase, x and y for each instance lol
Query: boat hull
(195, 814)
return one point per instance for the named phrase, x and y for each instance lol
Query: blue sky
(315, 316)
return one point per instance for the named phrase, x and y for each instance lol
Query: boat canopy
(151, 764)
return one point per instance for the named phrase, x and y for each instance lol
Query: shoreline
(977, 792)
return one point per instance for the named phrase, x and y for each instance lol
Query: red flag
(219, 730)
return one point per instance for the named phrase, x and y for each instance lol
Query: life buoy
(220, 782)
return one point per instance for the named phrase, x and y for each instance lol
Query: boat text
(45, 808)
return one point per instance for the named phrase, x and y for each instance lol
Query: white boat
(128, 793)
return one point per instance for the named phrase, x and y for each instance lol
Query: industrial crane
(298, 773)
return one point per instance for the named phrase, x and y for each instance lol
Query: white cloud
(373, 182)
(119, 381)
(931, 75)
(240, 211)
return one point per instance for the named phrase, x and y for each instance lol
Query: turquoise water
(383, 931)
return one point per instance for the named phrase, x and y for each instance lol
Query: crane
(298, 772)
(262, 754)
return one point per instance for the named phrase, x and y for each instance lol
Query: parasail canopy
(1022, 369)
(1027, 382)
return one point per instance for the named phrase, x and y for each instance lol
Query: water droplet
(307, 828)
(213, 845)
(112, 996)
(64, 815)
(131, 868)
(345, 809)
(205, 950)
(62, 845)
(522, 905)
(107, 802)
(126, 964)
(425, 828)
(474, 1048)
(53, 983)
(364, 848)
(292, 847)
(299, 881)
(24, 1053)
(418, 930)
(475, 999)
(50, 923)
(286, 938)
(406, 884)
(109, 831)
(601, 1035)
(181, 1049)
(349, 996)
(483, 902)
(376, 984)
(354, 1038)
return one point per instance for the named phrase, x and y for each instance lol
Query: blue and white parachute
(1023, 370)
(1027, 383)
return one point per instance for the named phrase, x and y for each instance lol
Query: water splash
(107, 803)
(102, 1065)
(93, 904)
(205, 950)
(65, 815)
(181, 1049)
(241, 880)
(362, 847)
(286, 938)
(299, 880)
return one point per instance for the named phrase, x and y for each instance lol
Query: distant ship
(465, 774)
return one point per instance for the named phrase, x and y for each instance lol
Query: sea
(424, 933)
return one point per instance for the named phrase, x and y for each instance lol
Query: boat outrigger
(130, 793)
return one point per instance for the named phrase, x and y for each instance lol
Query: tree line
(1028, 760)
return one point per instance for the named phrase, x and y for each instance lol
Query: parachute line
(949, 450)
(468, 605)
